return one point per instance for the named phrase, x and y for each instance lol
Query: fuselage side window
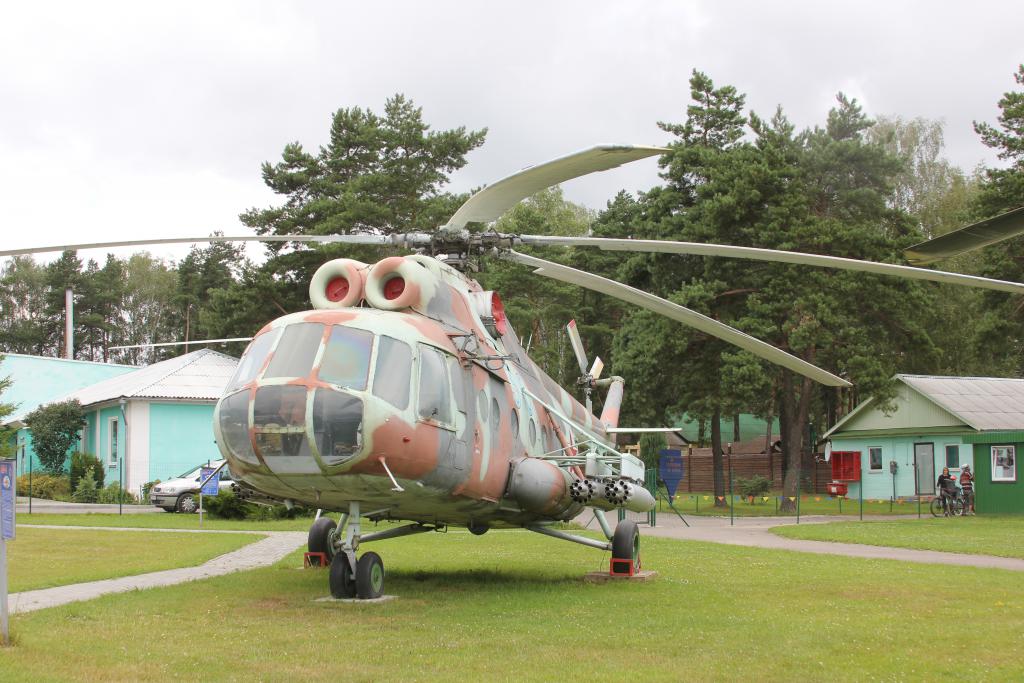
(346, 360)
(435, 392)
(392, 375)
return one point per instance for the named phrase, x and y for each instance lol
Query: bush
(87, 490)
(147, 487)
(226, 505)
(114, 494)
(754, 487)
(80, 462)
(45, 486)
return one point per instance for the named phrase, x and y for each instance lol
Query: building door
(924, 465)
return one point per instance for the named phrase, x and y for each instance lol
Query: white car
(178, 494)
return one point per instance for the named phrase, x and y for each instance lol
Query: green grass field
(167, 521)
(513, 606)
(1002, 536)
(42, 558)
(810, 504)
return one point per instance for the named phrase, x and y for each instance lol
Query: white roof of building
(981, 403)
(984, 403)
(200, 375)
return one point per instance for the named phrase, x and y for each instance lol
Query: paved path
(42, 505)
(753, 531)
(262, 553)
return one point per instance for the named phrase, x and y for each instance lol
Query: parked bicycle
(950, 505)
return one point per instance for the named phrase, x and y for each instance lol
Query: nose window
(252, 359)
(279, 420)
(295, 353)
(234, 426)
(337, 425)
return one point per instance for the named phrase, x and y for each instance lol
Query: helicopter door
(462, 383)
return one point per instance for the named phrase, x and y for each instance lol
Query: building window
(1004, 463)
(875, 457)
(112, 442)
(953, 456)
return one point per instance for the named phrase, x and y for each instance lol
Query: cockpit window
(392, 376)
(279, 421)
(435, 403)
(295, 353)
(252, 360)
(346, 360)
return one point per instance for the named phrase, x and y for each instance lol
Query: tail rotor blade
(597, 368)
(577, 346)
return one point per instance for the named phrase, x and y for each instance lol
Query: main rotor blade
(676, 312)
(491, 202)
(726, 251)
(320, 239)
(180, 343)
(577, 346)
(976, 236)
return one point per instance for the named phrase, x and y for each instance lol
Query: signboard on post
(670, 469)
(7, 499)
(211, 487)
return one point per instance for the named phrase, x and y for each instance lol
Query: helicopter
(405, 395)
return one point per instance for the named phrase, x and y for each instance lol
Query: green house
(934, 422)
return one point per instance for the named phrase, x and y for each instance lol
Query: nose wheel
(348, 577)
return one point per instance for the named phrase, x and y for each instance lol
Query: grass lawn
(167, 521)
(1002, 536)
(810, 504)
(42, 558)
(512, 606)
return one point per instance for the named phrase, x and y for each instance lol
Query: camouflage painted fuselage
(406, 374)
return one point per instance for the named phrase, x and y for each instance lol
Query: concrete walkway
(42, 505)
(262, 553)
(753, 531)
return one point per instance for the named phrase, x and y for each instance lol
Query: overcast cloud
(133, 120)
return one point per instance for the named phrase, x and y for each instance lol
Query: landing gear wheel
(369, 576)
(186, 503)
(343, 583)
(626, 542)
(320, 540)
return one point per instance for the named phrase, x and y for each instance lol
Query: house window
(875, 455)
(112, 442)
(953, 456)
(1004, 463)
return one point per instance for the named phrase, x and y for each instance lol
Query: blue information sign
(670, 469)
(212, 487)
(7, 499)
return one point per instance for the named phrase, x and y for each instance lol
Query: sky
(135, 120)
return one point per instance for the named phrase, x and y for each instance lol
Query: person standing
(967, 484)
(947, 490)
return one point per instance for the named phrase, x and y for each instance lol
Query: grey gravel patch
(371, 601)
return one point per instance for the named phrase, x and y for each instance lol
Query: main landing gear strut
(624, 542)
(351, 577)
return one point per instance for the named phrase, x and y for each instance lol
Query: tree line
(850, 186)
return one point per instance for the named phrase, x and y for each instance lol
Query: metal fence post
(732, 503)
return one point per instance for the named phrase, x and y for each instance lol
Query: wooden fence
(698, 472)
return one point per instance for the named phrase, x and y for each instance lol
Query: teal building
(144, 423)
(934, 422)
